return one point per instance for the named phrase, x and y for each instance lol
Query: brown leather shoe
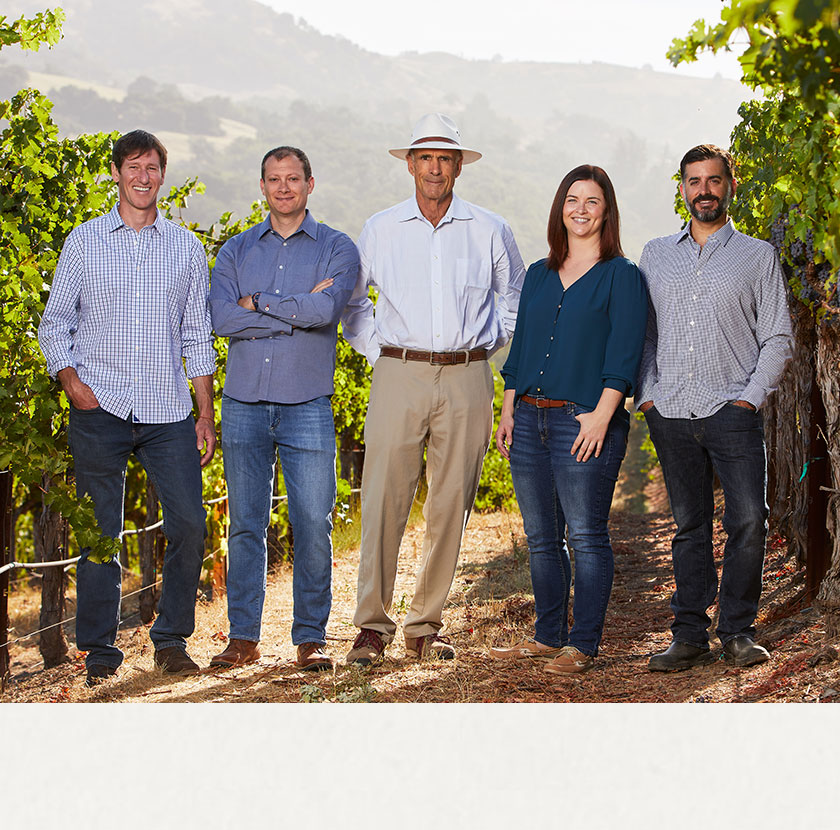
(174, 660)
(311, 657)
(237, 653)
(429, 646)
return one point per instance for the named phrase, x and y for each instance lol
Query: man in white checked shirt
(127, 312)
(719, 337)
(449, 276)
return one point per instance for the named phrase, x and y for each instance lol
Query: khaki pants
(449, 408)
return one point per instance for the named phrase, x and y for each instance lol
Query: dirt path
(490, 603)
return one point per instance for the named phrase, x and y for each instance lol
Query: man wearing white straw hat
(448, 275)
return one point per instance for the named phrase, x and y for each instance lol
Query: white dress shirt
(443, 289)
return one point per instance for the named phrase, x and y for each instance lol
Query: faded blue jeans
(729, 442)
(303, 434)
(101, 444)
(555, 491)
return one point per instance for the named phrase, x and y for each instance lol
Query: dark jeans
(730, 443)
(554, 490)
(101, 444)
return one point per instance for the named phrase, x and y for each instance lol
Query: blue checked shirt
(129, 311)
(718, 325)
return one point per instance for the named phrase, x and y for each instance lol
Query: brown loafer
(174, 660)
(311, 657)
(429, 646)
(237, 653)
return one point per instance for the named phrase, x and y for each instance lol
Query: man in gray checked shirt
(718, 340)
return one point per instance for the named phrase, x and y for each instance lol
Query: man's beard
(710, 214)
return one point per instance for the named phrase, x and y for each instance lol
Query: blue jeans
(303, 435)
(555, 491)
(101, 444)
(730, 443)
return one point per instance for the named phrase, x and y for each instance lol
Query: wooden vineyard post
(818, 477)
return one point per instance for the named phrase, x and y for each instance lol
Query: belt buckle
(541, 402)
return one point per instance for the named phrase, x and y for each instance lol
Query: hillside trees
(787, 146)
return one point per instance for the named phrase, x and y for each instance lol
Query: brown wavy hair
(558, 240)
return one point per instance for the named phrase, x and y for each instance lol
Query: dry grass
(491, 602)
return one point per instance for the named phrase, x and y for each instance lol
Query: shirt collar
(115, 221)
(411, 210)
(721, 235)
(309, 226)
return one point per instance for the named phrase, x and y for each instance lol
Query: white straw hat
(436, 132)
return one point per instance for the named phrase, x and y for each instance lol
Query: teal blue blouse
(571, 344)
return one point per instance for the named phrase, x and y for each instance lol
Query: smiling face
(434, 173)
(139, 179)
(286, 188)
(707, 191)
(584, 210)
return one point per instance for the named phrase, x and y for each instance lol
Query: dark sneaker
(311, 657)
(680, 656)
(744, 651)
(174, 660)
(429, 646)
(98, 673)
(368, 648)
(237, 653)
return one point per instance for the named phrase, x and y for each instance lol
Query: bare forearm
(203, 386)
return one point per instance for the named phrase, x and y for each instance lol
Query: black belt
(435, 358)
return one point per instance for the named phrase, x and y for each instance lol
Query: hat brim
(468, 156)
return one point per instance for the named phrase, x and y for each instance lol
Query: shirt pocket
(472, 285)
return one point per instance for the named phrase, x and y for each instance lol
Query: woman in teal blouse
(572, 362)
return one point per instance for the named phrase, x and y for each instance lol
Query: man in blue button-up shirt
(127, 314)
(718, 339)
(277, 292)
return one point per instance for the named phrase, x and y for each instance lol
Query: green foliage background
(48, 186)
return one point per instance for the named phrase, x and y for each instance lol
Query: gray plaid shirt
(718, 325)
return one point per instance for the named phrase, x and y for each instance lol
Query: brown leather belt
(435, 358)
(543, 403)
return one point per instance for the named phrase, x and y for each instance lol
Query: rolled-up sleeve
(196, 331)
(60, 320)
(773, 332)
(647, 374)
(508, 277)
(628, 309)
(357, 319)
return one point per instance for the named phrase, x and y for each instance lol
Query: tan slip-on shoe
(570, 661)
(237, 653)
(529, 648)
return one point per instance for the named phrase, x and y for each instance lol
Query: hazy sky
(612, 31)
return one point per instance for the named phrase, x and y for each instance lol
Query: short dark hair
(137, 143)
(558, 239)
(705, 152)
(279, 153)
